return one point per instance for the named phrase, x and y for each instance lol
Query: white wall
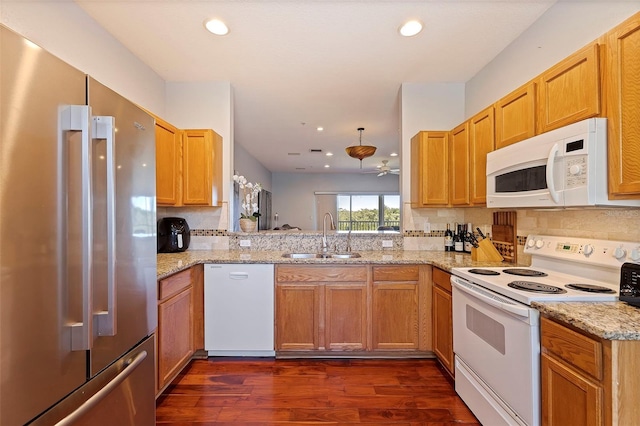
(248, 166)
(294, 199)
(561, 30)
(66, 31)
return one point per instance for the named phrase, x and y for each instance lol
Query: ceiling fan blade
(382, 174)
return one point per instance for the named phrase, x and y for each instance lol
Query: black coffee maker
(173, 235)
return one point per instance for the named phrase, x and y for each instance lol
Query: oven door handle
(491, 298)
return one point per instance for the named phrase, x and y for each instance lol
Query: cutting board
(503, 234)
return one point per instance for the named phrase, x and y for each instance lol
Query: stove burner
(524, 272)
(484, 272)
(590, 288)
(536, 287)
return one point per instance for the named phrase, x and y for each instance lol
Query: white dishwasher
(239, 309)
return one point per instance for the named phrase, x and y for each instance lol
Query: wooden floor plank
(265, 391)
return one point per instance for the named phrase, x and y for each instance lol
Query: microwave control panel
(576, 171)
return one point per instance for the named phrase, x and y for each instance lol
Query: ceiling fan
(385, 169)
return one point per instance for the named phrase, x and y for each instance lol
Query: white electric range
(496, 332)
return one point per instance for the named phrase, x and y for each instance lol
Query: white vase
(248, 225)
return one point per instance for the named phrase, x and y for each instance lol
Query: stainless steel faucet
(325, 246)
(349, 241)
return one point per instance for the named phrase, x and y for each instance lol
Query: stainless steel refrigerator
(77, 246)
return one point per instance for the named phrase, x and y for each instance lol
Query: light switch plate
(245, 243)
(387, 243)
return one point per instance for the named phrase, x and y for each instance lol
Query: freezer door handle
(104, 128)
(131, 365)
(75, 118)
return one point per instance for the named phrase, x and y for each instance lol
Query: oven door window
(486, 328)
(523, 180)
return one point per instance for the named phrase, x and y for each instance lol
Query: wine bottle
(458, 243)
(467, 238)
(448, 239)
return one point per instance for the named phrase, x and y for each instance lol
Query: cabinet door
(345, 316)
(568, 398)
(481, 142)
(459, 169)
(197, 154)
(430, 169)
(623, 109)
(175, 337)
(395, 315)
(570, 91)
(168, 154)
(443, 328)
(516, 116)
(298, 316)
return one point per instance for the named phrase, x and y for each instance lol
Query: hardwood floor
(337, 391)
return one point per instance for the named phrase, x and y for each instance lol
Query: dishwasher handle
(239, 275)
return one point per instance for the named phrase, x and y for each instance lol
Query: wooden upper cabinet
(168, 155)
(570, 90)
(516, 116)
(481, 142)
(430, 169)
(459, 165)
(202, 167)
(622, 97)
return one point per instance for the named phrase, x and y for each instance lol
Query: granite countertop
(607, 320)
(170, 263)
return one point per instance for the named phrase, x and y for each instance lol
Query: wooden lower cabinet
(345, 316)
(321, 308)
(586, 380)
(180, 323)
(443, 319)
(398, 308)
(298, 316)
(356, 308)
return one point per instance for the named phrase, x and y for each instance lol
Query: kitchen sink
(344, 255)
(304, 255)
(321, 255)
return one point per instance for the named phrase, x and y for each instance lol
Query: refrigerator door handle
(104, 128)
(75, 118)
(131, 365)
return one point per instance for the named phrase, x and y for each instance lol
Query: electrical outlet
(245, 243)
(427, 227)
(387, 243)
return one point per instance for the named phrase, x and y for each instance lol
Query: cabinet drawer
(174, 284)
(577, 349)
(396, 273)
(332, 273)
(442, 279)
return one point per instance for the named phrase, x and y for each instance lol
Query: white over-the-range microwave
(566, 167)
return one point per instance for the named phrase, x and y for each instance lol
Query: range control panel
(598, 252)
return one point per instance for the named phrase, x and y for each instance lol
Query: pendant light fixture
(360, 151)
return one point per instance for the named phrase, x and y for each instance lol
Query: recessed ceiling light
(329, 154)
(320, 129)
(393, 154)
(326, 166)
(216, 27)
(411, 28)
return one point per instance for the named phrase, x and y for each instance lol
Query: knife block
(486, 252)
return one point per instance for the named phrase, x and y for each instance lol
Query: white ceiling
(297, 65)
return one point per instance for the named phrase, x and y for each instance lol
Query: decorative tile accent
(439, 233)
(208, 233)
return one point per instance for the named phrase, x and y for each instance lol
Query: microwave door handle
(555, 195)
